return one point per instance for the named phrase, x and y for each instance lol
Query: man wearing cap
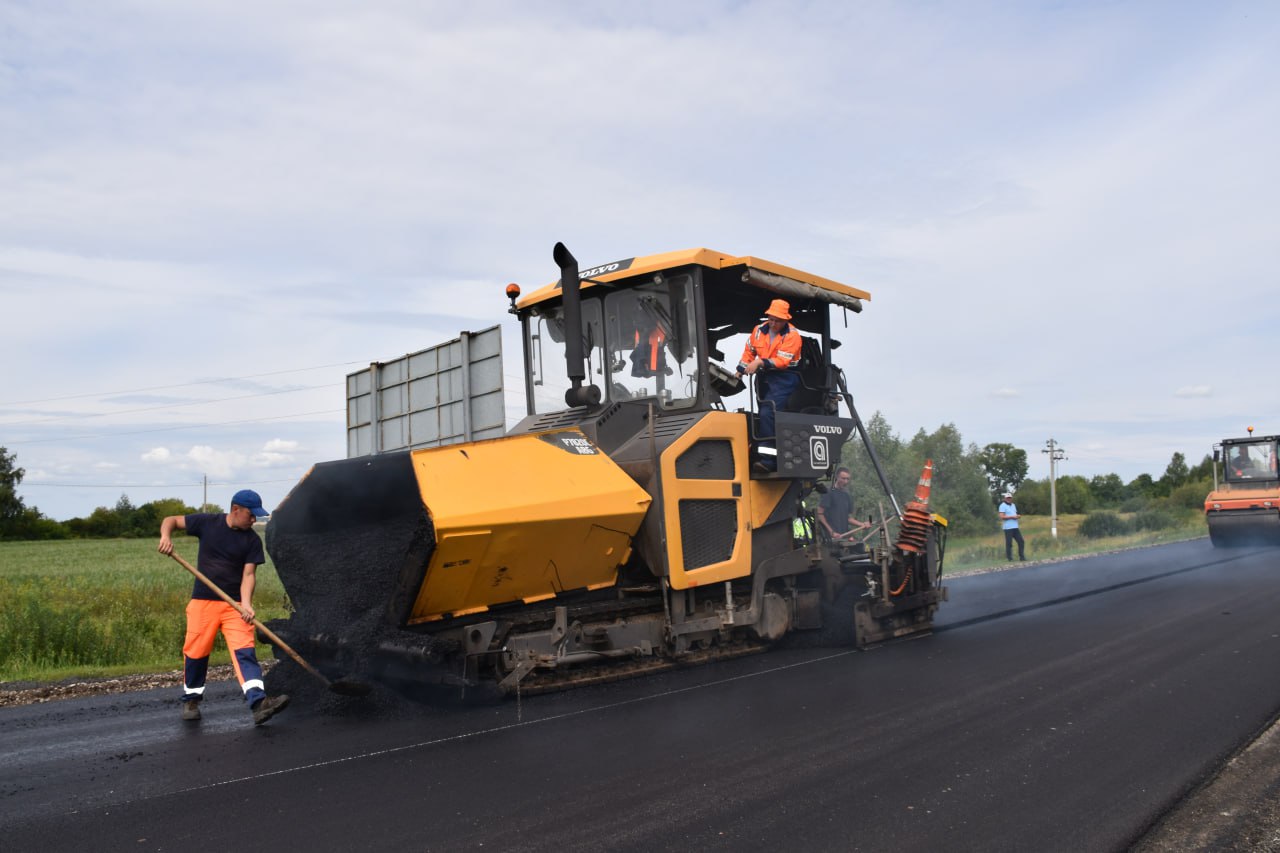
(1009, 520)
(230, 553)
(773, 350)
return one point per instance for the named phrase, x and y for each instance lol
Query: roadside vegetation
(1095, 514)
(981, 552)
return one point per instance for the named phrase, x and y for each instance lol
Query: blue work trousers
(779, 385)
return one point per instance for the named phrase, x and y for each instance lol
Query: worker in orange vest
(773, 351)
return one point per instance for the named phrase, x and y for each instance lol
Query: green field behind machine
(102, 607)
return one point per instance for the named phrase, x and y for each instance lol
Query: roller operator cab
(1244, 506)
(626, 523)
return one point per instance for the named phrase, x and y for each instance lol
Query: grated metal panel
(449, 393)
(708, 459)
(708, 529)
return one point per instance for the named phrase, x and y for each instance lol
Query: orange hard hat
(780, 309)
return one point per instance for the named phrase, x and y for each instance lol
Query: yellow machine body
(713, 515)
(522, 518)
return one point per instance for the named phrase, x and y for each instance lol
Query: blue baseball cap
(250, 500)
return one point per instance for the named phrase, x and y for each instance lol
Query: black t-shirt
(837, 506)
(224, 551)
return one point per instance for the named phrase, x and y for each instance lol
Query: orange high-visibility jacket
(782, 352)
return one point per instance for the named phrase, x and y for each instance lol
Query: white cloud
(1194, 391)
(156, 454)
(1005, 392)
(280, 445)
(220, 464)
(266, 460)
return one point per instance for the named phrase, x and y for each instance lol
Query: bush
(1097, 525)
(1191, 495)
(1155, 519)
(1135, 503)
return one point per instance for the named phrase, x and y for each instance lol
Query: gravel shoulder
(31, 693)
(1236, 810)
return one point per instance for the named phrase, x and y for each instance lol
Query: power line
(26, 483)
(52, 418)
(175, 428)
(179, 385)
(191, 485)
(255, 482)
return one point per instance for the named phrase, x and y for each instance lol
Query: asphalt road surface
(1064, 706)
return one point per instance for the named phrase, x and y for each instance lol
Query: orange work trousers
(204, 620)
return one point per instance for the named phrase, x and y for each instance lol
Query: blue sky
(1065, 213)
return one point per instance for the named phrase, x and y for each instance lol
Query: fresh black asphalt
(1060, 706)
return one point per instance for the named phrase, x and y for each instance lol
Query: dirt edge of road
(30, 693)
(1238, 809)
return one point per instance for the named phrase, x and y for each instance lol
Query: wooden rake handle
(271, 635)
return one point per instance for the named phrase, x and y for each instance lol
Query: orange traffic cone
(915, 516)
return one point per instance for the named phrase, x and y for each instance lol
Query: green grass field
(85, 608)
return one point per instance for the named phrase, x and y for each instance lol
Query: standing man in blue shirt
(1009, 520)
(230, 553)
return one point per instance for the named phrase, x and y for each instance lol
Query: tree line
(967, 484)
(968, 481)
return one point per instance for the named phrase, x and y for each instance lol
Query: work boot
(269, 707)
(191, 710)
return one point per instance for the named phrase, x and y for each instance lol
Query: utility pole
(205, 502)
(1056, 454)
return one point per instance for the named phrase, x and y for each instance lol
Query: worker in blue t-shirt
(1009, 521)
(230, 553)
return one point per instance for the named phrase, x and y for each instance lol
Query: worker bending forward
(230, 553)
(773, 350)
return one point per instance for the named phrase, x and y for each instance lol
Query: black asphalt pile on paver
(350, 544)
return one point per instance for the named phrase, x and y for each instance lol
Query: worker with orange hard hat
(773, 351)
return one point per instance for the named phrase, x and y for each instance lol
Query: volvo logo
(827, 429)
(604, 269)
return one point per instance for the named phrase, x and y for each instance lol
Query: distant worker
(773, 350)
(835, 510)
(230, 553)
(1009, 520)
